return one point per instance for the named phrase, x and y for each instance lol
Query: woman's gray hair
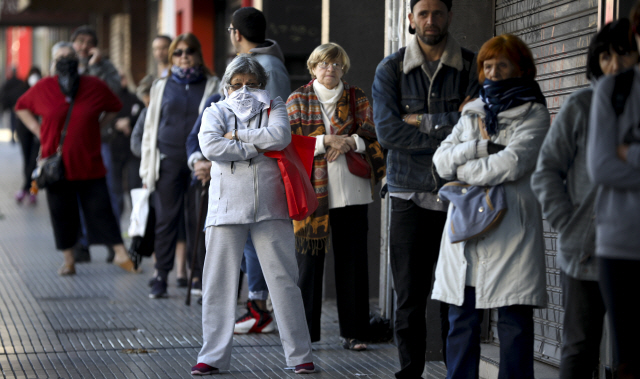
(60, 45)
(245, 64)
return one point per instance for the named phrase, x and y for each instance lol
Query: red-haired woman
(496, 142)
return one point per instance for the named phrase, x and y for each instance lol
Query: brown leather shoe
(67, 269)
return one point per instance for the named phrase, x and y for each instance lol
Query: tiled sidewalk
(101, 323)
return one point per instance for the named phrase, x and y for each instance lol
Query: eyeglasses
(239, 86)
(188, 51)
(230, 29)
(324, 65)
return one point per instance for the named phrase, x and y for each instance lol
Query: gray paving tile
(79, 327)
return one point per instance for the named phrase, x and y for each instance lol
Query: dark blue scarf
(505, 94)
(187, 75)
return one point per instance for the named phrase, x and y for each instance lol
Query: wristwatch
(419, 119)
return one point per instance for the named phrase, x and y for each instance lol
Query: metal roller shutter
(558, 33)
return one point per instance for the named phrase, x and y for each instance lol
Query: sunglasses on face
(188, 51)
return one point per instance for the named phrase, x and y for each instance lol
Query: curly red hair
(510, 47)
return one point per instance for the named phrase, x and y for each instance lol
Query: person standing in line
(84, 185)
(176, 102)
(325, 109)
(418, 93)
(247, 195)
(247, 33)
(495, 143)
(567, 196)
(125, 167)
(11, 90)
(92, 62)
(613, 163)
(29, 144)
(160, 49)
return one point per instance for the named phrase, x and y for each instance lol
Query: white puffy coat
(510, 260)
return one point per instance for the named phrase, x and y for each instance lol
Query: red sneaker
(305, 368)
(203, 369)
(254, 321)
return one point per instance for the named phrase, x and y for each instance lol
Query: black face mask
(68, 77)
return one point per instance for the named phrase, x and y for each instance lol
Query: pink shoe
(203, 369)
(305, 368)
(20, 195)
(33, 199)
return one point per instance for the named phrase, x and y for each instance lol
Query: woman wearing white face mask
(246, 194)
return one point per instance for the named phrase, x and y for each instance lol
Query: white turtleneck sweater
(344, 187)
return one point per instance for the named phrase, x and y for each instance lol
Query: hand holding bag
(50, 170)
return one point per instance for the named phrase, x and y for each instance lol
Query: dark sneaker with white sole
(158, 289)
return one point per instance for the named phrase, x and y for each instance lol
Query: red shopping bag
(296, 162)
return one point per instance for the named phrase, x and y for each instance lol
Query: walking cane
(196, 242)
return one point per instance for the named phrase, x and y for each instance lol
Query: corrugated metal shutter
(558, 33)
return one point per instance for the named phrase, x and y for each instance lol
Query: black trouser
(583, 321)
(125, 168)
(349, 227)
(619, 286)
(65, 199)
(30, 147)
(195, 200)
(414, 237)
(169, 203)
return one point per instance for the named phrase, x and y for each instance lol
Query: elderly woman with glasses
(339, 116)
(176, 102)
(246, 195)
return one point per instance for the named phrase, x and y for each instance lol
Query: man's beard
(432, 40)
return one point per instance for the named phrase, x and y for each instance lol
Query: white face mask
(247, 102)
(33, 79)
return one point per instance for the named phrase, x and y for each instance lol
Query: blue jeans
(515, 329)
(251, 266)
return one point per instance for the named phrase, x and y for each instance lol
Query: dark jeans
(169, 202)
(125, 175)
(414, 236)
(67, 199)
(515, 329)
(619, 286)
(583, 321)
(349, 227)
(30, 146)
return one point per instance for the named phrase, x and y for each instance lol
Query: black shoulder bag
(50, 170)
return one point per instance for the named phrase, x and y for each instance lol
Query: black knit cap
(448, 3)
(251, 24)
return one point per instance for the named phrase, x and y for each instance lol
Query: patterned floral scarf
(305, 117)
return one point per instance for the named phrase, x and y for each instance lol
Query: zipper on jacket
(255, 190)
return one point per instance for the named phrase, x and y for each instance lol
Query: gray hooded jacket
(246, 186)
(271, 58)
(563, 187)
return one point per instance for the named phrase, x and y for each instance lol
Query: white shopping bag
(139, 212)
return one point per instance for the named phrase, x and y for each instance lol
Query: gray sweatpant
(275, 246)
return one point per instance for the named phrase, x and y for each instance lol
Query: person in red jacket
(84, 170)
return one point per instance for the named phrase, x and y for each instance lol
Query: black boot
(81, 253)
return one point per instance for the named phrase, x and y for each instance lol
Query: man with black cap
(247, 30)
(418, 93)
